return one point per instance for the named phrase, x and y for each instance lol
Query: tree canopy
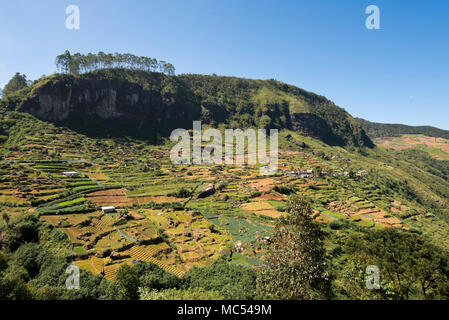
(79, 63)
(17, 82)
(295, 261)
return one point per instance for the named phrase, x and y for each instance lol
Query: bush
(230, 281)
(181, 193)
(285, 189)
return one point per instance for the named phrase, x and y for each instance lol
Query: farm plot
(240, 228)
(192, 235)
(113, 197)
(261, 207)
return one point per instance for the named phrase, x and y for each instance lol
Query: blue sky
(398, 74)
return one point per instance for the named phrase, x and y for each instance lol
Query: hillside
(371, 203)
(378, 130)
(144, 104)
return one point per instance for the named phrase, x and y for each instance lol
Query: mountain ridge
(150, 103)
(378, 130)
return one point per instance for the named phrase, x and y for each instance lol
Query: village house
(108, 209)
(306, 174)
(70, 174)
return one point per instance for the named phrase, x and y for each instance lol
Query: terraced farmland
(160, 218)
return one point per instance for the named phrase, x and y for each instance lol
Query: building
(306, 174)
(108, 209)
(70, 174)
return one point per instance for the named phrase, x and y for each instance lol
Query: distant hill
(377, 130)
(140, 103)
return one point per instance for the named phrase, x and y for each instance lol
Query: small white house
(70, 174)
(108, 209)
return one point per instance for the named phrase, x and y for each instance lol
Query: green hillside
(151, 103)
(365, 205)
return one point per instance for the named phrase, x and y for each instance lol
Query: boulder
(208, 191)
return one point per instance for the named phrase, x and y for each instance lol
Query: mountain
(145, 104)
(72, 144)
(377, 130)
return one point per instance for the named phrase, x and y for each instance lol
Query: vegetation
(253, 238)
(17, 82)
(79, 63)
(295, 266)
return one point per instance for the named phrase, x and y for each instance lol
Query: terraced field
(154, 221)
(436, 147)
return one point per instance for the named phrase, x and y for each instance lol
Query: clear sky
(398, 74)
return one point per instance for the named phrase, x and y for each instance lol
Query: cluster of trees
(17, 82)
(410, 266)
(79, 63)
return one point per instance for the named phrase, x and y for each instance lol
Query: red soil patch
(114, 197)
(262, 185)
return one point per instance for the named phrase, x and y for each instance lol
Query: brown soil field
(262, 185)
(114, 197)
(262, 207)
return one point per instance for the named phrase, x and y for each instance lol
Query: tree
(5, 217)
(295, 260)
(3, 261)
(127, 282)
(63, 62)
(17, 82)
(21, 230)
(152, 276)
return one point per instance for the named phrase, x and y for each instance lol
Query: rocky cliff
(124, 101)
(62, 101)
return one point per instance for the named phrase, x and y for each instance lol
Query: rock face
(128, 103)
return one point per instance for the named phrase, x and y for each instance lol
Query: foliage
(181, 193)
(152, 276)
(17, 82)
(179, 294)
(295, 264)
(415, 268)
(79, 63)
(230, 281)
(22, 230)
(127, 282)
(285, 189)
